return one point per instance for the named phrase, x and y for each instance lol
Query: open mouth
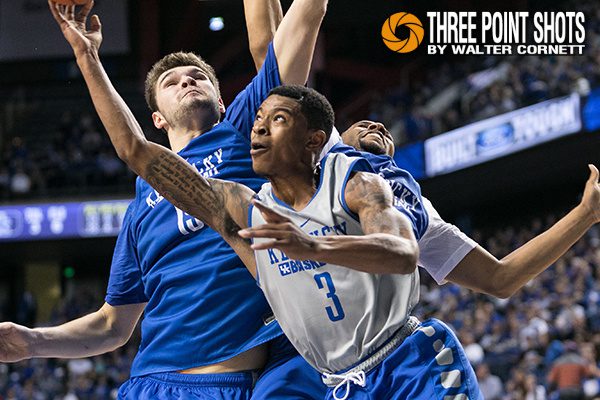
(257, 148)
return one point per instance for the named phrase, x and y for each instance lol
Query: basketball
(71, 2)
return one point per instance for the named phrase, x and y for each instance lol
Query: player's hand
(73, 26)
(285, 235)
(591, 194)
(14, 345)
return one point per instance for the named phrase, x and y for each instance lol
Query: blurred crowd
(453, 93)
(76, 158)
(542, 343)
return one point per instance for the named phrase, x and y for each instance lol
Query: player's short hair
(313, 105)
(174, 60)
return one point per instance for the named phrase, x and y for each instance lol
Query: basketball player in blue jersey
(449, 255)
(206, 323)
(340, 272)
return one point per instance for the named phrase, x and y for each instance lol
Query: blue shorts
(173, 385)
(288, 376)
(429, 364)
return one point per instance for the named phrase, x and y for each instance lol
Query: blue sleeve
(403, 185)
(125, 282)
(242, 111)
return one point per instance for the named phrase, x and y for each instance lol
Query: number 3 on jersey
(338, 314)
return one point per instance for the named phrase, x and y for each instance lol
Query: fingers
(268, 213)
(84, 12)
(276, 230)
(264, 246)
(264, 233)
(55, 9)
(95, 25)
(593, 173)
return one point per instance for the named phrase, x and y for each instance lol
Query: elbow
(115, 334)
(318, 13)
(501, 291)
(499, 285)
(317, 9)
(132, 154)
(124, 154)
(409, 257)
(321, 8)
(119, 333)
(121, 339)
(127, 152)
(117, 338)
(258, 55)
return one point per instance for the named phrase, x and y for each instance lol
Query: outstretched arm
(262, 19)
(220, 204)
(123, 129)
(96, 333)
(481, 271)
(295, 40)
(388, 244)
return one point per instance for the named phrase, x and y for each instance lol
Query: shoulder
(360, 179)
(343, 165)
(367, 188)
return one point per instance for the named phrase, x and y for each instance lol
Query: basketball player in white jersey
(445, 252)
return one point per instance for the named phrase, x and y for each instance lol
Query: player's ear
(221, 106)
(316, 140)
(159, 120)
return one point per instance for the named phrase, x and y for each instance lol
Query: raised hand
(73, 26)
(591, 194)
(14, 345)
(286, 236)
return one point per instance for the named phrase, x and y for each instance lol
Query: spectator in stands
(20, 183)
(490, 385)
(568, 373)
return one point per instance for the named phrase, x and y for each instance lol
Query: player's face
(369, 136)
(187, 92)
(278, 136)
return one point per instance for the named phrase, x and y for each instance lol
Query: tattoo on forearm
(187, 190)
(206, 199)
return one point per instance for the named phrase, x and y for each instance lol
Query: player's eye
(279, 118)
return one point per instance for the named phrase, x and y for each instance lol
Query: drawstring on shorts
(355, 377)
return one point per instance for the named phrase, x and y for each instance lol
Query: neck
(296, 190)
(180, 136)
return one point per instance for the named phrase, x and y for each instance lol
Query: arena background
(55, 258)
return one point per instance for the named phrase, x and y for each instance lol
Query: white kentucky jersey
(335, 316)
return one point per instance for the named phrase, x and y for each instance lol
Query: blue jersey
(407, 193)
(203, 305)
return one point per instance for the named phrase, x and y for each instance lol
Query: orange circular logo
(388, 32)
